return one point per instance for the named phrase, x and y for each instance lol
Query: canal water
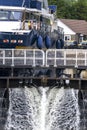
(44, 109)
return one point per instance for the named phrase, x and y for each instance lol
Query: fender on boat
(33, 37)
(47, 42)
(58, 44)
(39, 42)
(62, 43)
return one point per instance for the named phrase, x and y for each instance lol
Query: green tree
(71, 9)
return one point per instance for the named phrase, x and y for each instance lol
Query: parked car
(82, 45)
(70, 45)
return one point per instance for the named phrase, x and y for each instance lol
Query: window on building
(67, 38)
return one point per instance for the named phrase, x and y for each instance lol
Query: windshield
(10, 15)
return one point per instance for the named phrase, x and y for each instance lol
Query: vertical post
(85, 58)
(12, 57)
(34, 57)
(24, 56)
(76, 65)
(55, 59)
(64, 57)
(7, 83)
(79, 84)
(46, 58)
(24, 15)
(12, 72)
(3, 57)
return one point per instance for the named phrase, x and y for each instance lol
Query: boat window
(15, 15)
(45, 25)
(10, 15)
(46, 20)
(4, 15)
(31, 16)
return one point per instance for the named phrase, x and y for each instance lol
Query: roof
(78, 26)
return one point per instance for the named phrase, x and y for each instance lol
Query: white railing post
(76, 65)
(46, 58)
(12, 57)
(55, 58)
(85, 57)
(3, 57)
(43, 58)
(24, 56)
(33, 57)
(64, 57)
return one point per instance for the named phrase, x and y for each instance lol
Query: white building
(73, 29)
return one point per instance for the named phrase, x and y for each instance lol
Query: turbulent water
(63, 112)
(43, 109)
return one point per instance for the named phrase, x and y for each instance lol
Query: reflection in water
(43, 109)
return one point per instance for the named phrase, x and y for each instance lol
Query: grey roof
(78, 26)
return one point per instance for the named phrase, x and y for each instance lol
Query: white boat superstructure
(17, 18)
(27, 22)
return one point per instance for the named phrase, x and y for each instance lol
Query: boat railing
(50, 57)
(35, 24)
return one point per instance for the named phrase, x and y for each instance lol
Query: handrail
(50, 57)
(66, 57)
(13, 57)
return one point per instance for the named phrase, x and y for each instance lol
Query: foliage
(70, 9)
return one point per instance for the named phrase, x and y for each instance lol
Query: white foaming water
(53, 109)
(63, 112)
(24, 109)
(43, 107)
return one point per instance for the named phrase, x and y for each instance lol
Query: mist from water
(43, 109)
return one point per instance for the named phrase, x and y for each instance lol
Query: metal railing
(50, 57)
(66, 57)
(18, 57)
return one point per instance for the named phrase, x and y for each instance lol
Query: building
(75, 30)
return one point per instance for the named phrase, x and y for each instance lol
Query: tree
(71, 9)
(80, 9)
